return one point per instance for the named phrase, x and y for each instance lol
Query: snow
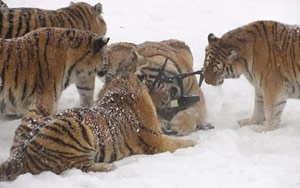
(228, 156)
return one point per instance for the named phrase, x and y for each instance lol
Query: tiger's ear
(212, 38)
(99, 44)
(3, 6)
(136, 56)
(138, 59)
(98, 8)
(71, 3)
(233, 56)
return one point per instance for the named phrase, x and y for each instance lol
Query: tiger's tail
(12, 168)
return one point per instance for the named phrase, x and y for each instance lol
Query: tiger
(146, 60)
(121, 124)
(268, 54)
(16, 22)
(36, 68)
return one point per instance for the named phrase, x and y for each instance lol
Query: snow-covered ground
(227, 156)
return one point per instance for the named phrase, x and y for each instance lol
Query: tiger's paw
(244, 122)
(101, 167)
(182, 143)
(249, 121)
(190, 143)
(183, 124)
(205, 126)
(182, 128)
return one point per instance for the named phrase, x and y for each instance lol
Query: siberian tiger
(16, 22)
(36, 68)
(146, 60)
(121, 124)
(268, 54)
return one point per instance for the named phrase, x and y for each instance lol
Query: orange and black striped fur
(36, 68)
(268, 54)
(146, 60)
(121, 124)
(16, 22)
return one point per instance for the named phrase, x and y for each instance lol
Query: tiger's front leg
(187, 121)
(85, 87)
(183, 123)
(258, 116)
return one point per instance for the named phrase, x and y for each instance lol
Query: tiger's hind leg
(85, 87)
(32, 120)
(258, 116)
(273, 110)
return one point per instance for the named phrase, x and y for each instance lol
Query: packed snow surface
(228, 156)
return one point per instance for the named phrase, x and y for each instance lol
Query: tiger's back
(16, 22)
(122, 123)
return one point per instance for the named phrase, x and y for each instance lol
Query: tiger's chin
(215, 83)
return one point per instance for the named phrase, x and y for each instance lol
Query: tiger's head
(148, 70)
(221, 60)
(93, 16)
(123, 57)
(82, 49)
(116, 58)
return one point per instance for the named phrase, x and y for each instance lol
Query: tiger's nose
(101, 73)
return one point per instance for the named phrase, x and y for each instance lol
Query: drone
(183, 101)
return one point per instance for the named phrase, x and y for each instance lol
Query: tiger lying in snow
(122, 123)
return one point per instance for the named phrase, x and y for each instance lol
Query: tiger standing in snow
(122, 123)
(146, 60)
(16, 22)
(268, 54)
(37, 67)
